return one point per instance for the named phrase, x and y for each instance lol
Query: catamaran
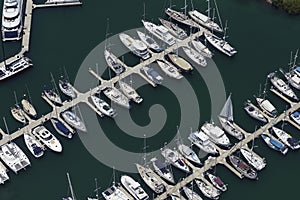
(201, 140)
(134, 188)
(66, 88)
(129, 92)
(103, 107)
(286, 138)
(149, 41)
(137, 47)
(47, 138)
(208, 191)
(3, 175)
(152, 75)
(201, 48)
(243, 167)
(180, 63)
(160, 32)
(175, 159)
(113, 62)
(61, 128)
(215, 134)
(33, 145)
(195, 56)
(267, 106)
(226, 120)
(162, 170)
(117, 97)
(15, 67)
(217, 182)
(74, 120)
(254, 112)
(257, 162)
(174, 29)
(169, 69)
(275, 144)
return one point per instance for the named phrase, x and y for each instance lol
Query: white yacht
(18, 114)
(137, 47)
(129, 92)
(280, 85)
(267, 106)
(191, 194)
(174, 29)
(52, 96)
(175, 159)
(114, 193)
(286, 138)
(205, 21)
(103, 107)
(169, 69)
(149, 41)
(12, 16)
(117, 97)
(188, 153)
(215, 134)
(275, 144)
(15, 67)
(33, 145)
(162, 170)
(61, 128)
(46, 137)
(254, 112)
(195, 56)
(180, 62)
(160, 32)
(66, 88)
(220, 44)
(257, 162)
(201, 140)
(134, 188)
(113, 62)
(201, 48)
(226, 120)
(73, 120)
(217, 182)
(3, 174)
(149, 177)
(28, 108)
(14, 157)
(152, 75)
(181, 17)
(296, 117)
(208, 191)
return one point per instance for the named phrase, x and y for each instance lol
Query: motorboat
(254, 112)
(205, 21)
(254, 160)
(61, 128)
(149, 177)
(195, 56)
(162, 170)
(169, 69)
(152, 75)
(28, 108)
(275, 144)
(217, 182)
(113, 62)
(208, 191)
(35, 148)
(188, 153)
(52, 96)
(267, 106)
(201, 140)
(137, 47)
(243, 167)
(73, 120)
(103, 107)
(129, 92)
(201, 48)
(114, 193)
(180, 62)
(15, 67)
(296, 117)
(174, 158)
(286, 138)
(220, 44)
(173, 29)
(282, 86)
(117, 97)
(215, 134)
(47, 138)
(134, 188)
(18, 114)
(181, 17)
(160, 32)
(14, 157)
(150, 42)
(66, 88)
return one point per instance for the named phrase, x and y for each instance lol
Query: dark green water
(62, 37)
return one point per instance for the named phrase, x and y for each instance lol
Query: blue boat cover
(276, 143)
(60, 126)
(296, 114)
(298, 69)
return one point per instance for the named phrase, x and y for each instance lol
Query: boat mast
(70, 186)
(225, 31)
(295, 58)
(54, 85)
(97, 188)
(29, 97)
(219, 17)
(291, 62)
(16, 98)
(208, 9)
(6, 127)
(3, 52)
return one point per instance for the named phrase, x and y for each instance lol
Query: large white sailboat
(208, 191)
(174, 29)
(12, 17)
(134, 188)
(113, 62)
(47, 138)
(217, 182)
(257, 162)
(14, 157)
(201, 48)
(191, 194)
(129, 92)
(28, 108)
(162, 170)
(226, 120)
(215, 134)
(61, 128)
(275, 144)
(286, 138)
(175, 159)
(73, 120)
(195, 56)
(201, 140)
(160, 32)
(66, 88)
(149, 41)
(152, 75)
(137, 47)
(117, 97)
(52, 96)
(220, 44)
(188, 153)
(181, 17)
(103, 107)
(254, 112)
(169, 69)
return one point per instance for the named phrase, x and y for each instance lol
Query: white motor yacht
(47, 138)
(201, 140)
(215, 134)
(134, 188)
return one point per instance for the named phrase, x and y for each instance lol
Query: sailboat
(61, 128)
(129, 92)
(173, 29)
(254, 112)
(73, 120)
(217, 182)
(169, 69)
(208, 191)
(52, 94)
(113, 62)
(28, 107)
(150, 42)
(243, 167)
(286, 138)
(191, 194)
(256, 162)
(201, 48)
(275, 144)
(66, 88)
(102, 106)
(72, 197)
(33, 145)
(175, 159)
(163, 170)
(180, 62)
(267, 106)
(96, 190)
(195, 56)
(226, 120)
(117, 97)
